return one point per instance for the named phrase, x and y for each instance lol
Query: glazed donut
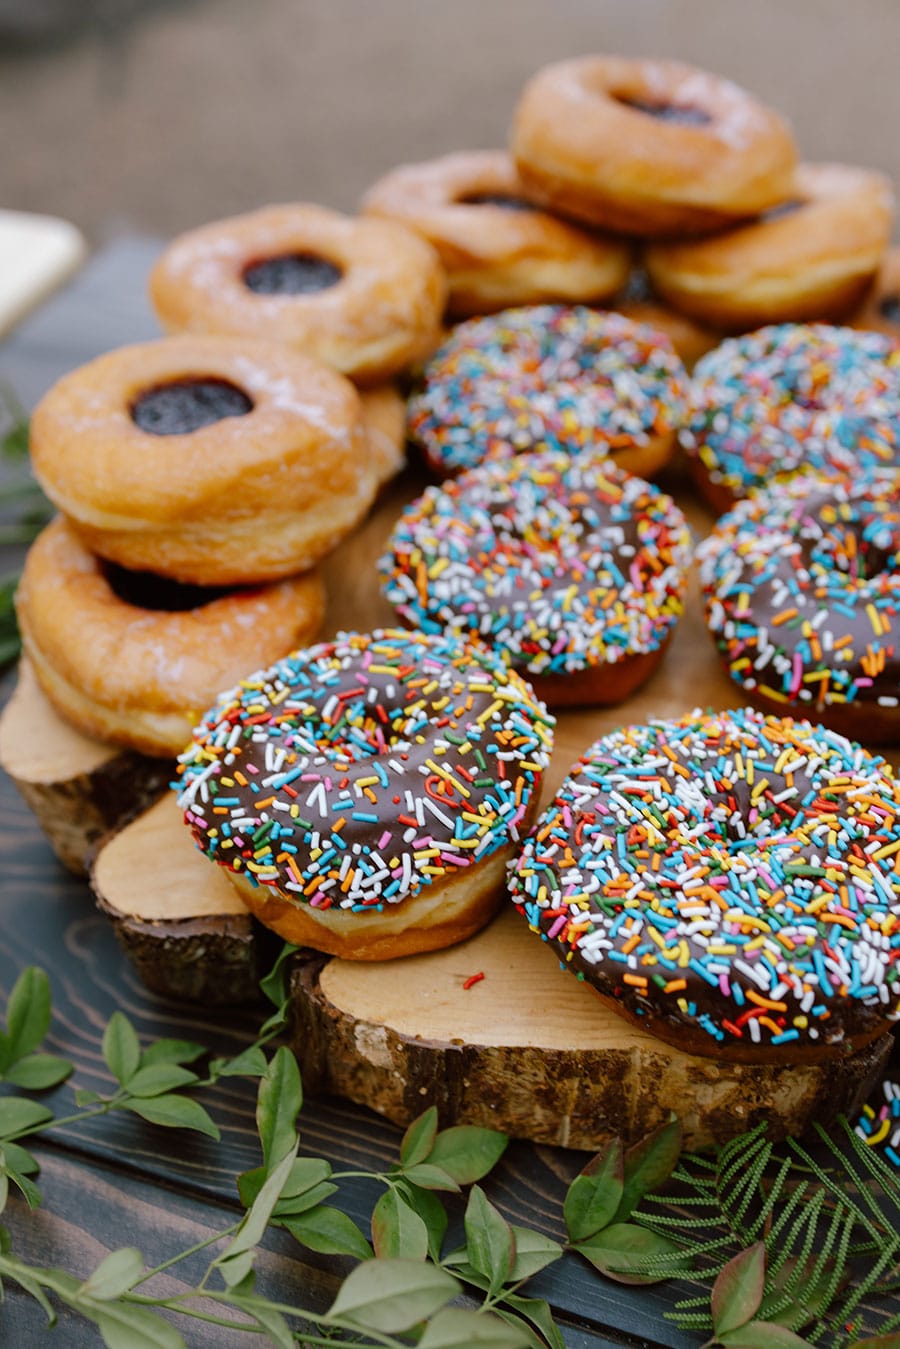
(880, 313)
(802, 590)
(364, 296)
(132, 659)
(638, 302)
(727, 880)
(365, 795)
(384, 417)
(813, 257)
(573, 571)
(649, 147)
(790, 397)
(549, 377)
(212, 460)
(497, 248)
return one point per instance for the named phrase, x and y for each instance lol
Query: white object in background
(37, 254)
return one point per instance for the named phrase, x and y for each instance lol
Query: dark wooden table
(116, 1181)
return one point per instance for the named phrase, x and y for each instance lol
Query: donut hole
(789, 207)
(291, 274)
(146, 590)
(889, 308)
(858, 549)
(678, 114)
(507, 201)
(181, 406)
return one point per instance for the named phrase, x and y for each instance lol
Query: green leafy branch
(24, 511)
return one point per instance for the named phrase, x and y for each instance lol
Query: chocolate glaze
(675, 113)
(291, 274)
(186, 405)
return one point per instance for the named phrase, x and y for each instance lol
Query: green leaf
(175, 1112)
(306, 1175)
(397, 1230)
(165, 1050)
(738, 1290)
(648, 1165)
(764, 1335)
(278, 1103)
(433, 1215)
(84, 1097)
(392, 1295)
(275, 984)
(534, 1252)
(623, 1250)
(123, 1326)
(121, 1048)
(594, 1196)
(36, 1072)
(457, 1328)
(889, 1341)
(429, 1177)
(466, 1152)
(157, 1078)
(270, 1320)
(329, 1231)
(253, 1227)
(18, 1115)
(20, 1160)
(490, 1244)
(28, 1011)
(419, 1138)
(251, 1062)
(30, 1192)
(538, 1313)
(115, 1275)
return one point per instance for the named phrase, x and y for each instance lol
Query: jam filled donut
(881, 311)
(574, 572)
(728, 881)
(802, 586)
(812, 257)
(364, 296)
(366, 795)
(497, 248)
(790, 397)
(212, 460)
(649, 147)
(133, 659)
(550, 377)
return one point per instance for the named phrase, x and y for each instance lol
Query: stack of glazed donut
(730, 879)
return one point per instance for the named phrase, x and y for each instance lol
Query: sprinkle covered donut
(571, 569)
(366, 794)
(788, 397)
(729, 880)
(802, 589)
(550, 377)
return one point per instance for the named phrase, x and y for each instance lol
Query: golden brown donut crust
(143, 677)
(243, 500)
(495, 257)
(383, 314)
(880, 311)
(812, 263)
(384, 417)
(583, 150)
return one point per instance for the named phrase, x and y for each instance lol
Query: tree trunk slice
(79, 789)
(533, 1052)
(177, 917)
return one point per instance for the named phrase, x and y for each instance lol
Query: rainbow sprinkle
(730, 872)
(546, 377)
(560, 564)
(879, 1125)
(794, 396)
(356, 772)
(802, 587)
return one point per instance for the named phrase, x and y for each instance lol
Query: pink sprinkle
(385, 839)
(557, 926)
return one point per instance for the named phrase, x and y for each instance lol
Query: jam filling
(669, 112)
(889, 308)
(291, 274)
(146, 590)
(186, 405)
(506, 200)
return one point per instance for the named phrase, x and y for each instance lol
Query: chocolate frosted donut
(574, 571)
(366, 794)
(729, 881)
(802, 586)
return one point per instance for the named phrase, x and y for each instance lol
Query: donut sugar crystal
(547, 377)
(730, 880)
(357, 772)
